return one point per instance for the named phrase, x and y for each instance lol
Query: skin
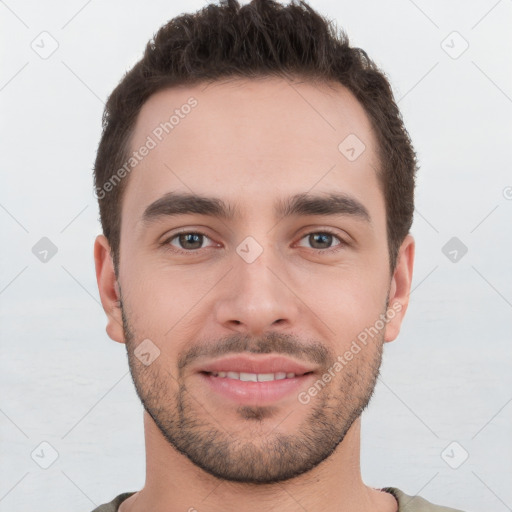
(251, 143)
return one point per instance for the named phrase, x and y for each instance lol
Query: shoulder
(408, 503)
(114, 504)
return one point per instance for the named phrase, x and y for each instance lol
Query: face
(254, 276)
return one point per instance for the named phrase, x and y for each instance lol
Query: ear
(400, 288)
(108, 288)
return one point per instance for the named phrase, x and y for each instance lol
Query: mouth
(255, 380)
(255, 377)
(248, 367)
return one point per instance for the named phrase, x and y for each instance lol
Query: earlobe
(400, 288)
(108, 288)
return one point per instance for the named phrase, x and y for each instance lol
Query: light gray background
(447, 378)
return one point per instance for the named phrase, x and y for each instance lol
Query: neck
(173, 483)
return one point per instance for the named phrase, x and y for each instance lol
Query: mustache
(271, 342)
(238, 343)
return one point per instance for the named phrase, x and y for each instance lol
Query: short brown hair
(262, 38)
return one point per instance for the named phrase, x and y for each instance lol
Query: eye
(186, 241)
(322, 241)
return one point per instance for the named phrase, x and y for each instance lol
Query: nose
(257, 297)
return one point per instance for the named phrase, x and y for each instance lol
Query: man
(255, 184)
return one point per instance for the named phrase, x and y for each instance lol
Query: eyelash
(167, 246)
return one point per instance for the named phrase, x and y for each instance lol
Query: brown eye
(323, 241)
(189, 241)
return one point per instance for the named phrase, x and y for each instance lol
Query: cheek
(337, 305)
(356, 288)
(169, 305)
(147, 309)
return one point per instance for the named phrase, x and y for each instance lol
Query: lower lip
(256, 393)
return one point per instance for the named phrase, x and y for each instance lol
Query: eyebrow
(178, 203)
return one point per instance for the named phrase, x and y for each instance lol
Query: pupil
(189, 238)
(325, 236)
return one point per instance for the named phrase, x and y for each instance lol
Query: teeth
(254, 377)
(264, 377)
(246, 377)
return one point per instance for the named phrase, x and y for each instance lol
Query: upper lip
(256, 364)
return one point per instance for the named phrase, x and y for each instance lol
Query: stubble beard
(269, 456)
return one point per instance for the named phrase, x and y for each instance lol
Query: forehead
(251, 140)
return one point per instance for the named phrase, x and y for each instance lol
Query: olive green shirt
(406, 503)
